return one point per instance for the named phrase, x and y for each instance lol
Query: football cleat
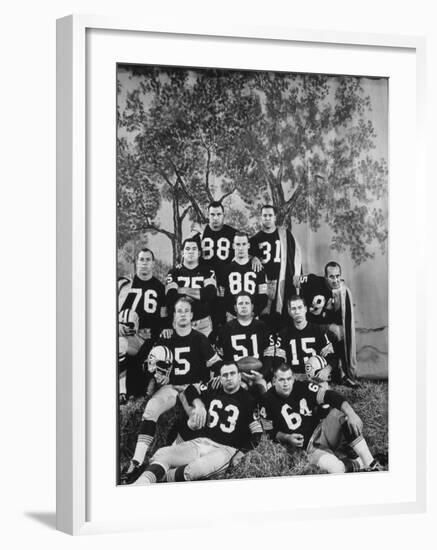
(374, 466)
(132, 472)
(160, 364)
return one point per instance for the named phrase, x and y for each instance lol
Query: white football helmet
(317, 368)
(160, 363)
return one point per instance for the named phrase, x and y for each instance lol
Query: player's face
(268, 218)
(241, 247)
(216, 218)
(144, 265)
(182, 315)
(332, 278)
(297, 311)
(283, 382)
(230, 378)
(244, 307)
(191, 252)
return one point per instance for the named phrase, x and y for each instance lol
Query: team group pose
(245, 343)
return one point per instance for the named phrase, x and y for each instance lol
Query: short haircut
(186, 300)
(282, 367)
(332, 264)
(144, 250)
(216, 204)
(241, 234)
(194, 240)
(295, 298)
(243, 293)
(265, 206)
(228, 364)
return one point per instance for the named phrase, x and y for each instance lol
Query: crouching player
(291, 406)
(230, 425)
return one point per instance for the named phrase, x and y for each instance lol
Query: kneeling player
(228, 416)
(291, 406)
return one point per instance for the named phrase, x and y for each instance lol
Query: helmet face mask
(160, 364)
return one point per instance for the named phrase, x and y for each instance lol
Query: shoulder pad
(122, 282)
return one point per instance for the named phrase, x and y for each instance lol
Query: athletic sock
(363, 451)
(145, 438)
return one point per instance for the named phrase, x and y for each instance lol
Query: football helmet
(160, 363)
(316, 368)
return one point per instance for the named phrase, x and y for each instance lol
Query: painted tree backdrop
(309, 144)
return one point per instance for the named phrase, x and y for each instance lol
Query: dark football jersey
(238, 277)
(232, 418)
(193, 357)
(293, 345)
(217, 248)
(296, 413)
(319, 300)
(147, 298)
(267, 247)
(239, 341)
(200, 277)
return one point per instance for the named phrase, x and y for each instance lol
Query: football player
(330, 304)
(280, 256)
(230, 425)
(142, 315)
(217, 238)
(291, 408)
(194, 359)
(196, 281)
(244, 336)
(299, 340)
(239, 276)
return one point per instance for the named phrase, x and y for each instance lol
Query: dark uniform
(241, 277)
(147, 300)
(292, 346)
(267, 247)
(216, 247)
(237, 340)
(200, 277)
(319, 300)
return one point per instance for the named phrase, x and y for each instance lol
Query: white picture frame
(84, 506)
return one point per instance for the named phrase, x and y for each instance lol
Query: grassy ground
(269, 459)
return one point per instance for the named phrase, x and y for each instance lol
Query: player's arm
(171, 290)
(255, 427)
(209, 291)
(261, 297)
(193, 293)
(274, 354)
(336, 400)
(293, 440)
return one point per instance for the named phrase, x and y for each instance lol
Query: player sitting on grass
(230, 424)
(291, 407)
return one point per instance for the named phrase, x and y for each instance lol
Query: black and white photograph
(252, 274)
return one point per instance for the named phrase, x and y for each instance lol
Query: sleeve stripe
(321, 396)
(262, 289)
(171, 286)
(255, 427)
(211, 281)
(213, 360)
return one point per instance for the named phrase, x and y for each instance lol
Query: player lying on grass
(291, 408)
(230, 425)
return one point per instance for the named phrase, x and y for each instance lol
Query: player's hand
(355, 423)
(215, 382)
(166, 333)
(256, 264)
(296, 281)
(327, 350)
(198, 417)
(295, 440)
